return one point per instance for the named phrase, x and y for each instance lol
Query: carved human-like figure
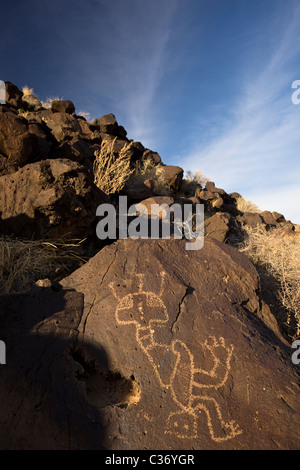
(193, 389)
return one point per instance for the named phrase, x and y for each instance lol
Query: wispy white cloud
(255, 149)
(138, 59)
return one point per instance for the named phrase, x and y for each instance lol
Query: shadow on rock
(53, 387)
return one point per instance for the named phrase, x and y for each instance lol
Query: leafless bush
(112, 169)
(244, 205)
(146, 170)
(22, 262)
(278, 253)
(191, 181)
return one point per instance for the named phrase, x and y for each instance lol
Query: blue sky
(205, 83)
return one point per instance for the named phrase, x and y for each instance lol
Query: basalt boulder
(148, 346)
(16, 142)
(109, 125)
(13, 95)
(63, 106)
(63, 126)
(49, 199)
(170, 175)
(218, 226)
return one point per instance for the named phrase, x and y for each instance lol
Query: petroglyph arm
(220, 357)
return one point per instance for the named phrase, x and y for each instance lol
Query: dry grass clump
(244, 205)
(277, 253)
(196, 177)
(22, 262)
(112, 169)
(146, 170)
(27, 91)
(47, 103)
(191, 181)
(84, 114)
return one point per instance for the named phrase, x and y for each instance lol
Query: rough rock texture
(166, 353)
(171, 175)
(6, 166)
(31, 102)
(62, 125)
(268, 219)
(217, 226)
(210, 186)
(152, 157)
(13, 95)
(252, 219)
(107, 124)
(63, 106)
(16, 142)
(157, 200)
(138, 192)
(75, 149)
(48, 199)
(278, 217)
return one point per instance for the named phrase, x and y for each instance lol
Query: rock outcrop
(16, 142)
(148, 346)
(49, 199)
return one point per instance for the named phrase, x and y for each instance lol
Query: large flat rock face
(207, 373)
(148, 346)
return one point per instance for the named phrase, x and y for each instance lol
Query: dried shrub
(47, 103)
(27, 91)
(244, 205)
(146, 170)
(112, 169)
(191, 181)
(276, 254)
(22, 262)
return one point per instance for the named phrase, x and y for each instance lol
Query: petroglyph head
(141, 308)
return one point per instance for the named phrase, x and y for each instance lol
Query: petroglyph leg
(219, 429)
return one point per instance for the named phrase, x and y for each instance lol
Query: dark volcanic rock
(63, 106)
(210, 186)
(138, 192)
(217, 226)
(268, 219)
(13, 95)
(63, 126)
(183, 324)
(29, 101)
(171, 176)
(16, 142)
(76, 149)
(252, 219)
(43, 144)
(107, 124)
(166, 353)
(49, 199)
(6, 167)
(44, 397)
(278, 217)
(152, 157)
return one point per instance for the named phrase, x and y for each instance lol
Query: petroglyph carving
(193, 390)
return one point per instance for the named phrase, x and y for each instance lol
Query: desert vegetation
(146, 171)
(112, 169)
(245, 205)
(22, 262)
(120, 165)
(276, 254)
(197, 309)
